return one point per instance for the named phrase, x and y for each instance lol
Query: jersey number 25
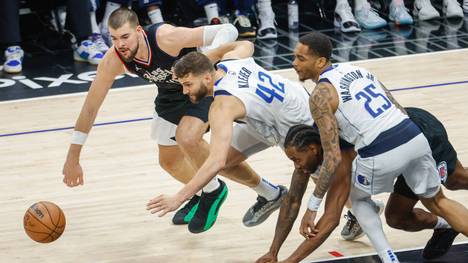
(370, 95)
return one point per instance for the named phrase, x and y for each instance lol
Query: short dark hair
(193, 62)
(301, 136)
(318, 43)
(121, 16)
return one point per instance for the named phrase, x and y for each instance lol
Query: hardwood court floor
(106, 218)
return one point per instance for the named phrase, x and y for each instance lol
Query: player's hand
(307, 228)
(72, 174)
(267, 258)
(164, 204)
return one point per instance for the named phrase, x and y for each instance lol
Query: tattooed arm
(323, 104)
(288, 213)
(392, 99)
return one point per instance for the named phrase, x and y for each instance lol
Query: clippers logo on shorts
(363, 180)
(442, 168)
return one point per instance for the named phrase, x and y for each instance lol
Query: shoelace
(370, 12)
(243, 21)
(93, 49)
(99, 42)
(260, 204)
(16, 55)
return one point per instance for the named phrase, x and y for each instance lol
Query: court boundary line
(149, 118)
(143, 86)
(374, 254)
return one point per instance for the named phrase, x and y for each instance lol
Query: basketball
(44, 222)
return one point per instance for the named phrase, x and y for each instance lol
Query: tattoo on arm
(290, 208)
(320, 106)
(392, 99)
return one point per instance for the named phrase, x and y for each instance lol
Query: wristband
(314, 203)
(78, 137)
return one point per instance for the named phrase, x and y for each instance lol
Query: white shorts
(162, 131)
(247, 141)
(413, 159)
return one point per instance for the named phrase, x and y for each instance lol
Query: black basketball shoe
(440, 243)
(185, 214)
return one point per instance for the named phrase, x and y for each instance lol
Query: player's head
(312, 55)
(302, 145)
(195, 73)
(124, 28)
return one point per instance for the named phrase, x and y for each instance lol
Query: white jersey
(273, 104)
(364, 111)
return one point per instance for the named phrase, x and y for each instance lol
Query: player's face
(306, 64)
(125, 40)
(195, 87)
(306, 160)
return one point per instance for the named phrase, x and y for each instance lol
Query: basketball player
(178, 124)
(265, 105)
(350, 102)
(302, 145)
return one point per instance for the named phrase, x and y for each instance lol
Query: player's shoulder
(111, 63)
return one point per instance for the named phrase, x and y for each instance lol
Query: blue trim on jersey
(328, 69)
(324, 80)
(391, 138)
(221, 66)
(222, 92)
(216, 82)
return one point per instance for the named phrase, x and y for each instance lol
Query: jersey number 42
(268, 94)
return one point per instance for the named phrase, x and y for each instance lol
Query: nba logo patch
(442, 168)
(363, 180)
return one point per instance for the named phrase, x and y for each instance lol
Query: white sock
(94, 25)
(441, 223)
(267, 190)
(110, 7)
(339, 2)
(211, 11)
(155, 16)
(387, 256)
(198, 193)
(211, 185)
(368, 217)
(359, 4)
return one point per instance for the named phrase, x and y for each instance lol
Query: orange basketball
(44, 222)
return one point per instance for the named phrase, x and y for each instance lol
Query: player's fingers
(80, 179)
(163, 212)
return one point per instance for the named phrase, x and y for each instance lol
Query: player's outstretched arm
(223, 112)
(232, 50)
(287, 215)
(173, 39)
(107, 70)
(336, 199)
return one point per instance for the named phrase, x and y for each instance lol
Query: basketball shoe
(263, 208)
(87, 51)
(13, 59)
(344, 18)
(440, 243)
(185, 214)
(208, 208)
(352, 230)
(368, 18)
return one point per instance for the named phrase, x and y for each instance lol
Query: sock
(368, 217)
(441, 223)
(211, 11)
(267, 190)
(199, 193)
(211, 185)
(94, 25)
(339, 2)
(266, 4)
(387, 256)
(398, 2)
(110, 7)
(359, 4)
(155, 16)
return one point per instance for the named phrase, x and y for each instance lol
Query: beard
(202, 92)
(131, 56)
